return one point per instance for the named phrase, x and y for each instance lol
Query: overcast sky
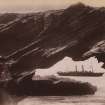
(41, 5)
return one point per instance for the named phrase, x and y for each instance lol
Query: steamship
(81, 73)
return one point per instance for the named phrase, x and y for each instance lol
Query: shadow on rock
(49, 86)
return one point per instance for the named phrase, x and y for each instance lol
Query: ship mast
(76, 68)
(83, 70)
(91, 66)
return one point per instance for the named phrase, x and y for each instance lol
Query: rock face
(39, 40)
(50, 86)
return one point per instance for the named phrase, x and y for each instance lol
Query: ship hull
(80, 74)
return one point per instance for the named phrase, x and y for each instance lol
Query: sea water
(97, 99)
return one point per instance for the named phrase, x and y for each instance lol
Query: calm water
(97, 99)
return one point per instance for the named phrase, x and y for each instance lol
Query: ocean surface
(97, 99)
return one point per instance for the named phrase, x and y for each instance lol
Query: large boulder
(50, 86)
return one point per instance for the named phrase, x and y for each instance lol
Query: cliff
(39, 40)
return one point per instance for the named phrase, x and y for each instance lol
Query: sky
(42, 5)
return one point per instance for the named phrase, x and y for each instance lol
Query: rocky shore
(48, 86)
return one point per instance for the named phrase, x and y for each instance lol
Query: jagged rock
(39, 40)
(50, 86)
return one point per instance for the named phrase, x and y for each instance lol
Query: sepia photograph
(52, 52)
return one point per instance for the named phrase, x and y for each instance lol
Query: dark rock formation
(39, 40)
(50, 86)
